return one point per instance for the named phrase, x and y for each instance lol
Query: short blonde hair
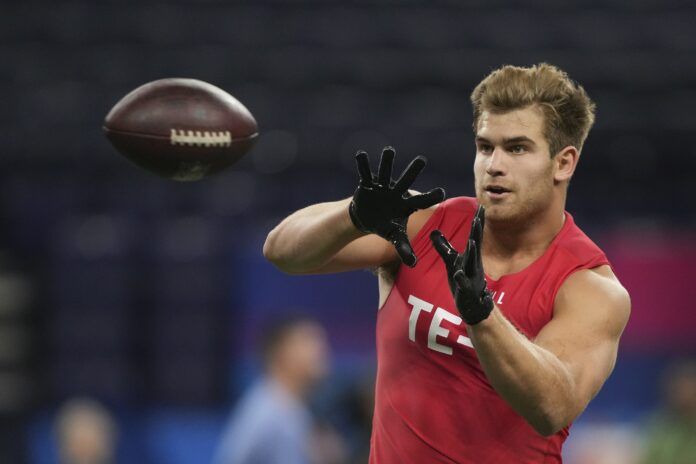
(568, 111)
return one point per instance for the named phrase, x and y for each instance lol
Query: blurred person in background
(671, 435)
(272, 423)
(86, 433)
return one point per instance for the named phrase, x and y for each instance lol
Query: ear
(565, 163)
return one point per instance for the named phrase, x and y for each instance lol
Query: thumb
(443, 247)
(462, 281)
(426, 200)
(404, 249)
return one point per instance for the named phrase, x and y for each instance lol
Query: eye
(485, 148)
(518, 149)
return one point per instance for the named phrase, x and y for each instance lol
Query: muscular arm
(366, 231)
(551, 379)
(322, 238)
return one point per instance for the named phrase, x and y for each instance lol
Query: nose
(496, 163)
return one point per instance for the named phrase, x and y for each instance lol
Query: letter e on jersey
(436, 329)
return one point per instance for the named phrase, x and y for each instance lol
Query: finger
(385, 166)
(479, 244)
(479, 219)
(471, 260)
(404, 249)
(363, 163)
(444, 248)
(462, 281)
(476, 233)
(426, 200)
(410, 173)
(472, 231)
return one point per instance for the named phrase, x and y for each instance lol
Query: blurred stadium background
(148, 294)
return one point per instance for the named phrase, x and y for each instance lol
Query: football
(181, 129)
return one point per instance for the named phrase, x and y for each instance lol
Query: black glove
(382, 206)
(465, 272)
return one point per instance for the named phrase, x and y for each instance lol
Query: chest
(420, 313)
(496, 268)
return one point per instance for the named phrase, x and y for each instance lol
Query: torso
(432, 396)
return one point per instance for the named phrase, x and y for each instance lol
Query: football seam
(176, 140)
(205, 138)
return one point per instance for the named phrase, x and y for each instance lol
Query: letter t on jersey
(436, 329)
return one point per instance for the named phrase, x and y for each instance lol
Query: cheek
(479, 167)
(540, 181)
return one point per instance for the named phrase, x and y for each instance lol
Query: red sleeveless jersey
(433, 403)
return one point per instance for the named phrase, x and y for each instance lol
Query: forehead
(528, 122)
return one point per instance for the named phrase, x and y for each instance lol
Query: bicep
(590, 313)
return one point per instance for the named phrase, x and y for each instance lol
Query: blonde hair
(568, 111)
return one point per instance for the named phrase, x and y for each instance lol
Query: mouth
(496, 192)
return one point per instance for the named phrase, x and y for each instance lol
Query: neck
(532, 236)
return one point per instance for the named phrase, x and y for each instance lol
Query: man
(474, 367)
(272, 424)
(671, 430)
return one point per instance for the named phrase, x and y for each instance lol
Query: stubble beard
(521, 209)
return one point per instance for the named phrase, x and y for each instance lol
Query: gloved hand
(382, 206)
(465, 272)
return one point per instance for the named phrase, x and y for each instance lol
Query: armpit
(387, 272)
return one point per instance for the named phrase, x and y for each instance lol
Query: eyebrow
(508, 141)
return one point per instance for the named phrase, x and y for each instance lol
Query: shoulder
(600, 280)
(577, 244)
(460, 205)
(597, 292)
(452, 209)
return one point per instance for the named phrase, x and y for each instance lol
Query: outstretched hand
(382, 206)
(465, 272)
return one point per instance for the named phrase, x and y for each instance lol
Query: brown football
(182, 129)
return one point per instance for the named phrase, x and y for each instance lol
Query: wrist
(352, 223)
(354, 220)
(487, 323)
(482, 313)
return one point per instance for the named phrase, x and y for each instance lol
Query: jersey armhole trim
(421, 235)
(417, 247)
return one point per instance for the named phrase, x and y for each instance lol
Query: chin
(505, 212)
(501, 213)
